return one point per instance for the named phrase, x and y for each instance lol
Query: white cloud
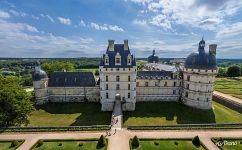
(4, 14)
(23, 40)
(65, 21)
(230, 30)
(48, 17)
(106, 27)
(161, 21)
(115, 28)
(205, 14)
(140, 22)
(82, 23)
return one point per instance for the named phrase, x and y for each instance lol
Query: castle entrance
(117, 116)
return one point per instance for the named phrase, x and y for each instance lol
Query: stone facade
(191, 84)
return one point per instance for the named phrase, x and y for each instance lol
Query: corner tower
(40, 83)
(198, 77)
(118, 77)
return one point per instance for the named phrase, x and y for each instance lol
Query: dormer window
(106, 60)
(129, 58)
(117, 59)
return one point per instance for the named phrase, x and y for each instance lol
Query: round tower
(199, 74)
(40, 83)
(153, 58)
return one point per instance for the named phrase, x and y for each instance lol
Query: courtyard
(171, 113)
(69, 114)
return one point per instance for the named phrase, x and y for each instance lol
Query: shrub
(101, 142)
(40, 142)
(156, 143)
(60, 144)
(233, 71)
(80, 144)
(176, 143)
(135, 142)
(14, 143)
(196, 141)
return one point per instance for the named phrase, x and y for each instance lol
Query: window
(106, 61)
(106, 95)
(117, 69)
(188, 78)
(107, 78)
(137, 83)
(129, 69)
(174, 84)
(165, 84)
(118, 60)
(117, 78)
(106, 69)
(128, 86)
(188, 86)
(156, 84)
(128, 78)
(117, 87)
(174, 92)
(146, 84)
(123, 69)
(106, 86)
(128, 95)
(186, 94)
(111, 69)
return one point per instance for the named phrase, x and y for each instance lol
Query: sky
(82, 28)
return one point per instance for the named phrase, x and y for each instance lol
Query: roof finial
(153, 52)
(203, 37)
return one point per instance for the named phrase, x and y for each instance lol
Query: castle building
(119, 80)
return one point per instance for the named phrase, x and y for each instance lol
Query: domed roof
(38, 73)
(153, 58)
(201, 60)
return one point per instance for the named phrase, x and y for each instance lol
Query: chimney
(212, 49)
(126, 44)
(111, 45)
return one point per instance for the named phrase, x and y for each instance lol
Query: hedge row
(52, 129)
(188, 127)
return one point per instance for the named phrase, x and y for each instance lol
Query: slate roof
(153, 58)
(154, 74)
(201, 60)
(38, 74)
(118, 48)
(72, 79)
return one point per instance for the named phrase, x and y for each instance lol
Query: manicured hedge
(53, 129)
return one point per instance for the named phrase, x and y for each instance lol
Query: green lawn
(69, 114)
(229, 86)
(167, 145)
(69, 145)
(6, 145)
(237, 146)
(170, 113)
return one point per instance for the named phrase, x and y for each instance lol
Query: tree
(14, 102)
(101, 142)
(196, 141)
(96, 72)
(51, 67)
(222, 72)
(234, 71)
(135, 142)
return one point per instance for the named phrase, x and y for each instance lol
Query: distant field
(171, 113)
(229, 86)
(167, 145)
(88, 70)
(69, 114)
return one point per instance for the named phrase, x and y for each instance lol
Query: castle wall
(74, 94)
(111, 91)
(198, 87)
(158, 90)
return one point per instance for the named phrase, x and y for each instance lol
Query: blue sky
(81, 28)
